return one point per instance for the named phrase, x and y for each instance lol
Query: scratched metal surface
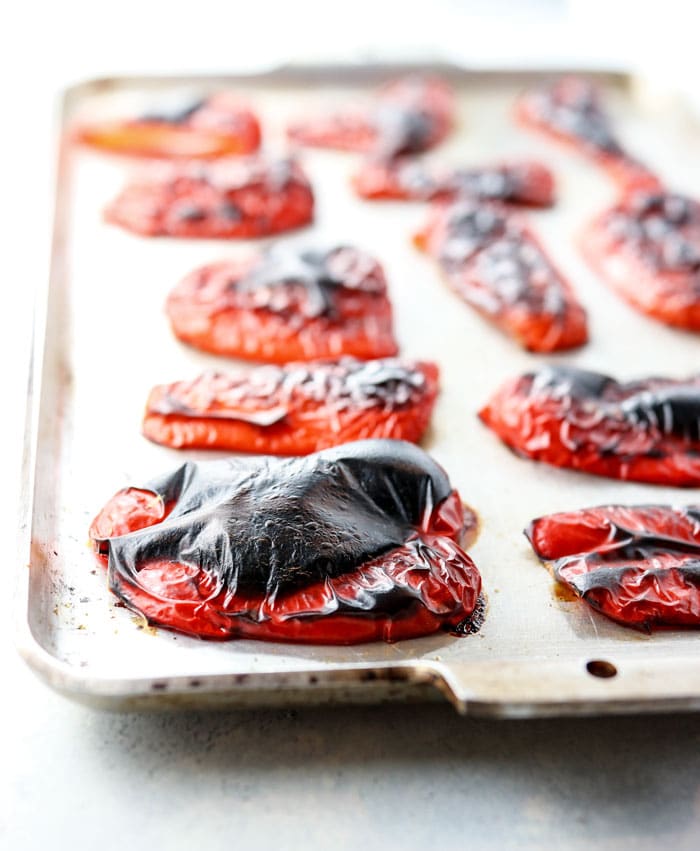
(106, 341)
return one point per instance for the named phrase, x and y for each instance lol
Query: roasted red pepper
(227, 198)
(527, 184)
(570, 110)
(646, 431)
(357, 543)
(295, 409)
(215, 126)
(287, 304)
(409, 115)
(647, 247)
(639, 565)
(493, 261)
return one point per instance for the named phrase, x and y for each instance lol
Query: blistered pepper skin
(525, 184)
(409, 115)
(638, 565)
(645, 431)
(287, 305)
(296, 409)
(569, 109)
(494, 262)
(647, 248)
(230, 198)
(358, 543)
(216, 126)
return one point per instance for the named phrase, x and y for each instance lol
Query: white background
(70, 778)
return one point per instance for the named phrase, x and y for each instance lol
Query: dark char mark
(573, 107)
(671, 410)
(401, 130)
(633, 548)
(508, 263)
(658, 226)
(310, 268)
(271, 525)
(177, 115)
(561, 381)
(388, 382)
(470, 228)
(611, 578)
(674, 409)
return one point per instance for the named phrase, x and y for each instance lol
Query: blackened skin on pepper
(287, 304)
(226, 198)
(570, 109)
(262, 535)
(523, 183)
(496, 264)
(646, 246)
(316, 270)
(639, 565)
(646, 430)
(284, 528)
(218, 125)
(410, 115)
(295, 409)
(178, 114)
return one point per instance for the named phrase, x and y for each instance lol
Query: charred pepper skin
(296, 409)
(219, 125)
(570, 110)
(353, 544)
(409, 115)
(526, 184)
(638, 565)
(644, 431)
(647, 248)
(231, 198)
(287, 304)
(493, 261)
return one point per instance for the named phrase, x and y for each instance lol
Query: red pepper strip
(524, 183)
(215, 310)
(217, 126)
(647, 248)
(638, 565)
(570, 111)
(409, 114)
(494, 262)
(437, 581)
(294, 410)
(644, 431)
(226, 199)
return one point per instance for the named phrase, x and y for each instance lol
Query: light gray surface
(387, 777)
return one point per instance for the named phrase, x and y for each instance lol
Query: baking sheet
(105, 341)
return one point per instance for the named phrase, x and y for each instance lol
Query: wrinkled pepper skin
(295, 409)
(638, 565)
(231, 198)
(647, 248)
(526, 184)
(644, 431)
(219, 125)
(570, 110)
(409, 115)
(287, 304)
(492, 260)
(353, 544)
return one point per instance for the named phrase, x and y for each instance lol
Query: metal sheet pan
(102, 341)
